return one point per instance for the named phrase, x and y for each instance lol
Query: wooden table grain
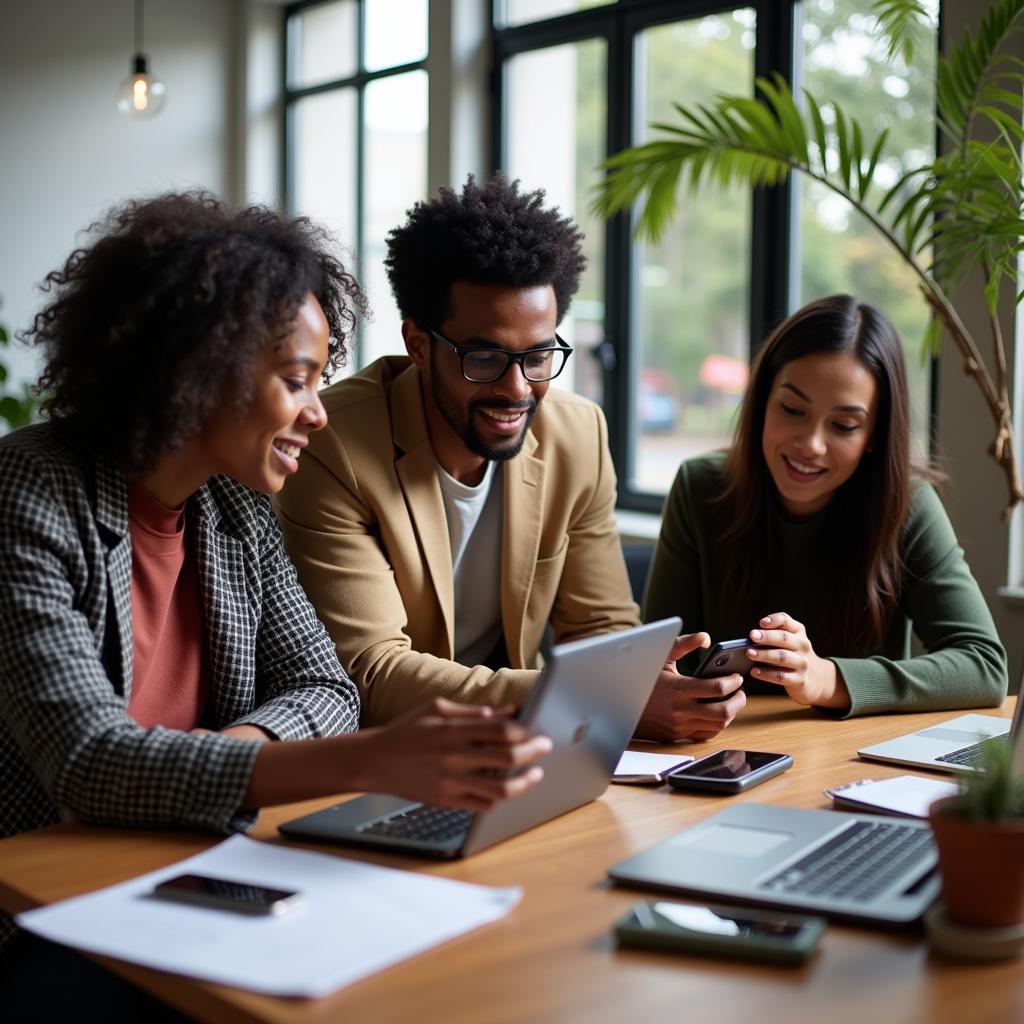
(553, 958)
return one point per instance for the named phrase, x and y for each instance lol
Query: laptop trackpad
(733, 840)
(959, 736)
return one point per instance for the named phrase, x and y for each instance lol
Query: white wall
(66, 154)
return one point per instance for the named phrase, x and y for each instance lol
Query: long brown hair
(867, 512)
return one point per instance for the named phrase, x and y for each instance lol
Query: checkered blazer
(67, 746)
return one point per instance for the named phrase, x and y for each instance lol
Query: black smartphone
(720, 931)
(729, 771)
(225, 894)
(724, 659)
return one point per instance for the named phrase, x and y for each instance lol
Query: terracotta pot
(982, 868)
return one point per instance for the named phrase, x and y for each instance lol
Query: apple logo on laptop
(580, 733)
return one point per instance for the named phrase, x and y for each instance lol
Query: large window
(666, 331)
(356, 133)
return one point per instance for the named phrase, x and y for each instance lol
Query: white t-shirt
(474, 531)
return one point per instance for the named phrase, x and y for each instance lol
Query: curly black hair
(490, 234)
(165, 312)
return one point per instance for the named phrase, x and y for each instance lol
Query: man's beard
(462, 421)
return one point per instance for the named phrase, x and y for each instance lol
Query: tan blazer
(364, 522)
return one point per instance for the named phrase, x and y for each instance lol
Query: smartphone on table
(729, 771)
(720, 931)
(226, 894)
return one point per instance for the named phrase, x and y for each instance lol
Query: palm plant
(946, 218)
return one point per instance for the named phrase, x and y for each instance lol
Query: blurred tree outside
(17, 405)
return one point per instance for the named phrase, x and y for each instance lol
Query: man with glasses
(456, 505)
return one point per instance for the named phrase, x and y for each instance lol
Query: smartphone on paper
(720, 931)
(225, 894)
(724, 659)
(729, 771)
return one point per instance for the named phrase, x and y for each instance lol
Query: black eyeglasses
(482, 365)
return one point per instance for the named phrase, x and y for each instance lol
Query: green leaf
(844, 146)
(820, 133)
(904, 22)
(931, 344)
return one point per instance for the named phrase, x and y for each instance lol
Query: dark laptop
(588, 700)
(856, 867)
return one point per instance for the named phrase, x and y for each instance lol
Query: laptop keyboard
(969, 756)
(436, 824)
(857, 865)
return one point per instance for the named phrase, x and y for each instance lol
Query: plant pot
(982, 868)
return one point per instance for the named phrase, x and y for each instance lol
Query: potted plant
(980, 838)
(947, 218)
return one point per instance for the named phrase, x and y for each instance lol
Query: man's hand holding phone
(683, 707)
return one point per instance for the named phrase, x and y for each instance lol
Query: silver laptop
(954, 745)
(588, 700)
(855, 867)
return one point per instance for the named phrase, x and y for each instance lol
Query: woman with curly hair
(816, 536)
(160, 665)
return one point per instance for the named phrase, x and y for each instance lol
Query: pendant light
(140, 94)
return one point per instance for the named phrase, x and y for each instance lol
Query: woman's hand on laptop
(684, 708)
(452, 755)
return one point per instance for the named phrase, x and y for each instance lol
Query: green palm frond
(742, 141)
(906, 23)
(973, 80)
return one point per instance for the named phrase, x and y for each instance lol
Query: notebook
(855, 867)
(952, 746)
(907, 796)
(588, 700)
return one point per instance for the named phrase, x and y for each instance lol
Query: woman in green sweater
(816, 536)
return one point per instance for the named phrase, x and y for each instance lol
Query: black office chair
(638, 554)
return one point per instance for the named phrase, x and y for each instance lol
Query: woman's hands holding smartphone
(783, 655)
(452, 755)
(679, 707)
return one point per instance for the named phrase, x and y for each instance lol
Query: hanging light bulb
(140, 94)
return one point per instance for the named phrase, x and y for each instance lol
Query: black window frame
(359, 81)
(773, 209)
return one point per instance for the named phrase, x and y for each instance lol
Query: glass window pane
(396, 32)
(395, 176)
(692, 290)
(518, 12)
(554, 140)
(323, 43)
(844, 60)
(324, 161)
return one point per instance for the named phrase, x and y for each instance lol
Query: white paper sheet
(354, 920)
(637, 764)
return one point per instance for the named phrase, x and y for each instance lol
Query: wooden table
(553, 958)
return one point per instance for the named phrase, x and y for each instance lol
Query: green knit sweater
(964, 664)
